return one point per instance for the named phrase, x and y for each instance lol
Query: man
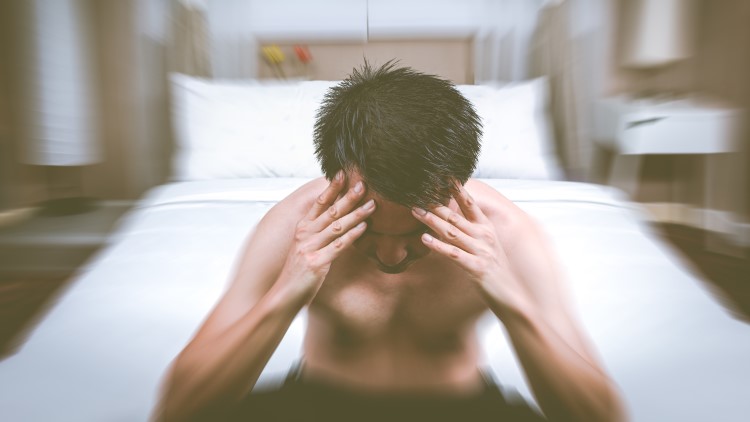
(396, 253)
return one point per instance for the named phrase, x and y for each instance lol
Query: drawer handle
(637, 123)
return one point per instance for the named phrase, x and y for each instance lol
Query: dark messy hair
(410, 135)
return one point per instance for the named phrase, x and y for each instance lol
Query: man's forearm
(215, 372)
(568, 386)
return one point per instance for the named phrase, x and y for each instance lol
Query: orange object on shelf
(303, 53)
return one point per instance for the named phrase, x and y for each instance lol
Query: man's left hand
(471, 241)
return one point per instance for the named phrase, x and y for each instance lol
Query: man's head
(410, 136)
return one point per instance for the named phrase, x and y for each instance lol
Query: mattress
(100, 352)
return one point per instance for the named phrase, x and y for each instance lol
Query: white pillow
(517, 139)
(259, 129)
(244, 129)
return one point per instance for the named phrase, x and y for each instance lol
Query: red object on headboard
(303, 53)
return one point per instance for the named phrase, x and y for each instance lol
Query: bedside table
(54, 247)
(633, 128)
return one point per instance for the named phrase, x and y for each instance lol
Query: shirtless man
(396, 253)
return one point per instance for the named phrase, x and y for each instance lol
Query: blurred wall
(132, 61)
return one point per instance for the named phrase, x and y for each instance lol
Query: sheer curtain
(502, 42)
(190, 51)
(234, 50)
(60, 117)
(169, 36)
(104, 66)
(567, 41)
(51, 112)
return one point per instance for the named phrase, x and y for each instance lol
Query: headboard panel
(452, 59)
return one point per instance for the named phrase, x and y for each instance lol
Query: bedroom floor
(23, 301)
(729, 274)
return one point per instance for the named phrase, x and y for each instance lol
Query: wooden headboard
(452, 59)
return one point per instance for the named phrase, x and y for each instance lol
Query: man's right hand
(227, 355)
(331, 226)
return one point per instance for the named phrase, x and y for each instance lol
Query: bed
(100, 352)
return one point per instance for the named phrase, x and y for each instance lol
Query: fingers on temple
(335, 247)
(469, 206)
(456, 219)
(327, 197)
(341, 207)
(341, 226)
(453, 252)
(450, 227)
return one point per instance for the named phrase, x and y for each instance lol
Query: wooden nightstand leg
(625, 173)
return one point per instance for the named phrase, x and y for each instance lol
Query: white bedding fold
(275, 189)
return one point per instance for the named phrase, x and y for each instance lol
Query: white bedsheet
(100, 352)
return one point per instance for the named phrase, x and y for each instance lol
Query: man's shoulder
(275, 231)
(299, 202)
(496, 206)
(488, 198)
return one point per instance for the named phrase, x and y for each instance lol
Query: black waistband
(294, 377)
(303, 399)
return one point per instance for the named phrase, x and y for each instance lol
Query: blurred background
(84, 93)
(105, 64)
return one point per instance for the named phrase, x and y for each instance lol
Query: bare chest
(432, 300)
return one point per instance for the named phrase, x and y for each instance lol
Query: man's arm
(515, 270)
(285, 261)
